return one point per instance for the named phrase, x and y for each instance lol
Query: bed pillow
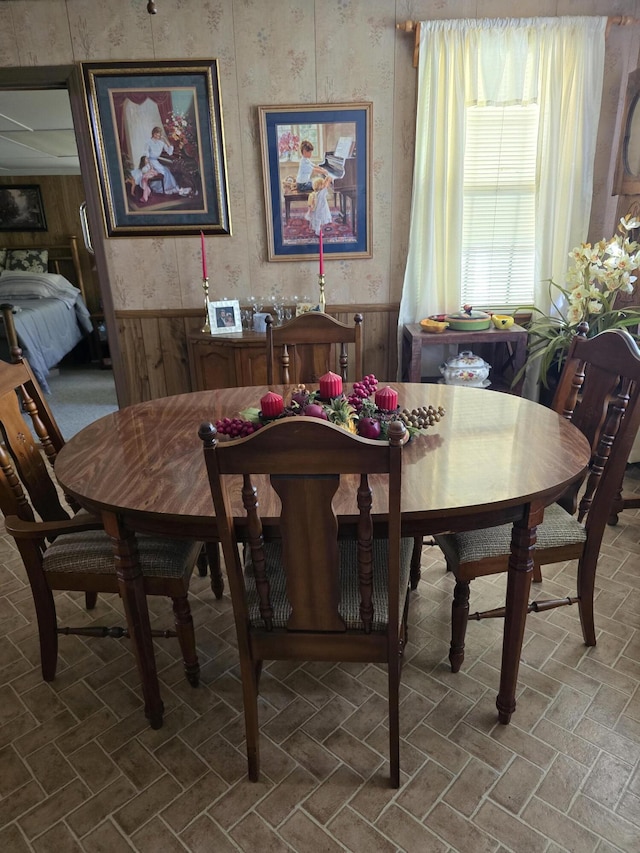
(3, 258)
(17, 284)
(31, 260)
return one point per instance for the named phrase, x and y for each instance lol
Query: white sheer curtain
(556, 62)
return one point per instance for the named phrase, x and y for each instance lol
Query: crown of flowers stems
(596, 275)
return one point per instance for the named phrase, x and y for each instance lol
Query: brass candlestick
(206, 329)
(321, 300)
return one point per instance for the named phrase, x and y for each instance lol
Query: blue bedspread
(47, 330)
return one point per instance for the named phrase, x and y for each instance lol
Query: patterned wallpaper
(300, 52)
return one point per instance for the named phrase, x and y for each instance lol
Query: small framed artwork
(158, 143)
(316, 162)
(225, 317)
(21, 208)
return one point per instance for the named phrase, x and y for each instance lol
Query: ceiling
(36, 134)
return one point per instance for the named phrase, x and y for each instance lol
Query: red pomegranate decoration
(313, 410)
(369, 428)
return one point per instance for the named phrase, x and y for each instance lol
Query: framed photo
(159, 146)
(21, 208)
(316, 164)
(225, 317)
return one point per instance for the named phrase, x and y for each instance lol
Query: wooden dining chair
(599, 392)
(304, 348)
(63, 548)
(306, 592)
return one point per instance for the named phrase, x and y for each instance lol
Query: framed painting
(317, 177)
(158, 143)
(225, 316)
(627, 176)
(21, 208)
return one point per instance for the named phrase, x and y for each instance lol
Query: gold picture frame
(158, 144)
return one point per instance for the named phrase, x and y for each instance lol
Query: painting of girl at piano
(316, 164)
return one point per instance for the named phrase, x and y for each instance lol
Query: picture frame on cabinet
(158, 144)
(21, 208)
(224, 316)
(327, 188)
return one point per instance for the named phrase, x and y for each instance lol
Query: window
(498, 235)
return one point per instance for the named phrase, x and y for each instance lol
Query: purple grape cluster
(236, 427)
(367, 386)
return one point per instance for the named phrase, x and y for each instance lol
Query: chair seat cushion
(349, 607)
(557, 529)
(92, 551)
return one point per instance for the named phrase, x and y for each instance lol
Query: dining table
(492, 458)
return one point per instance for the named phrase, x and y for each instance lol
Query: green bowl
(463, 322)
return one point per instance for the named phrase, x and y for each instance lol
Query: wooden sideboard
(227, 360)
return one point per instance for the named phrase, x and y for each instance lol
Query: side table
(504, 349)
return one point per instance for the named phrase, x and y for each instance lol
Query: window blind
(498, 240)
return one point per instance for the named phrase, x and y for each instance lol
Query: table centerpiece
(366, 411)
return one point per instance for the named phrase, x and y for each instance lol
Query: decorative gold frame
(181, 98)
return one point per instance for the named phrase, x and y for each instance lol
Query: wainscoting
(156, 362)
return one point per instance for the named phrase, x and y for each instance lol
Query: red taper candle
(387, 399)
(321, 256)
(271, 405)
(330, 385)
(204, 257)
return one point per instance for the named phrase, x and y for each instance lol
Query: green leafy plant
(596, 275)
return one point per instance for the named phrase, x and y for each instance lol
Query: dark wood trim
(133, 314)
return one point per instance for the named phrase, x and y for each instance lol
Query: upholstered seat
(559, 529)
(92, 551)
(349, 606)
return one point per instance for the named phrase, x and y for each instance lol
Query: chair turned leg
(47, 624)
(90, 600)
(250, 672)
(586, 589)
(394, 719)
(213, 558)
(459, 619)
(187, 639)
(416, 557)
(203, 563)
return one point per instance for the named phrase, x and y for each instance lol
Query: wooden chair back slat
(23, 459)
(310, 345)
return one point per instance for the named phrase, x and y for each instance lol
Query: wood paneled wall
(62, 196)
(154, 346)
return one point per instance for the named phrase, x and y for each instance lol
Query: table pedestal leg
(131, 585)
(523, 539)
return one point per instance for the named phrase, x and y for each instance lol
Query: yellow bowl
(502, 321)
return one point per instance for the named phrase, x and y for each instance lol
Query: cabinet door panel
(251, 365)
(213, 365)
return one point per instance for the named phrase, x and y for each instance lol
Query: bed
(42, 301)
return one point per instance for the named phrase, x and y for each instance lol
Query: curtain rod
(414, 26)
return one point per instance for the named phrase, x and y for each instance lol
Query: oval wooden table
(493, 458)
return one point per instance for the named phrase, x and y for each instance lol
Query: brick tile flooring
(81, 771)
